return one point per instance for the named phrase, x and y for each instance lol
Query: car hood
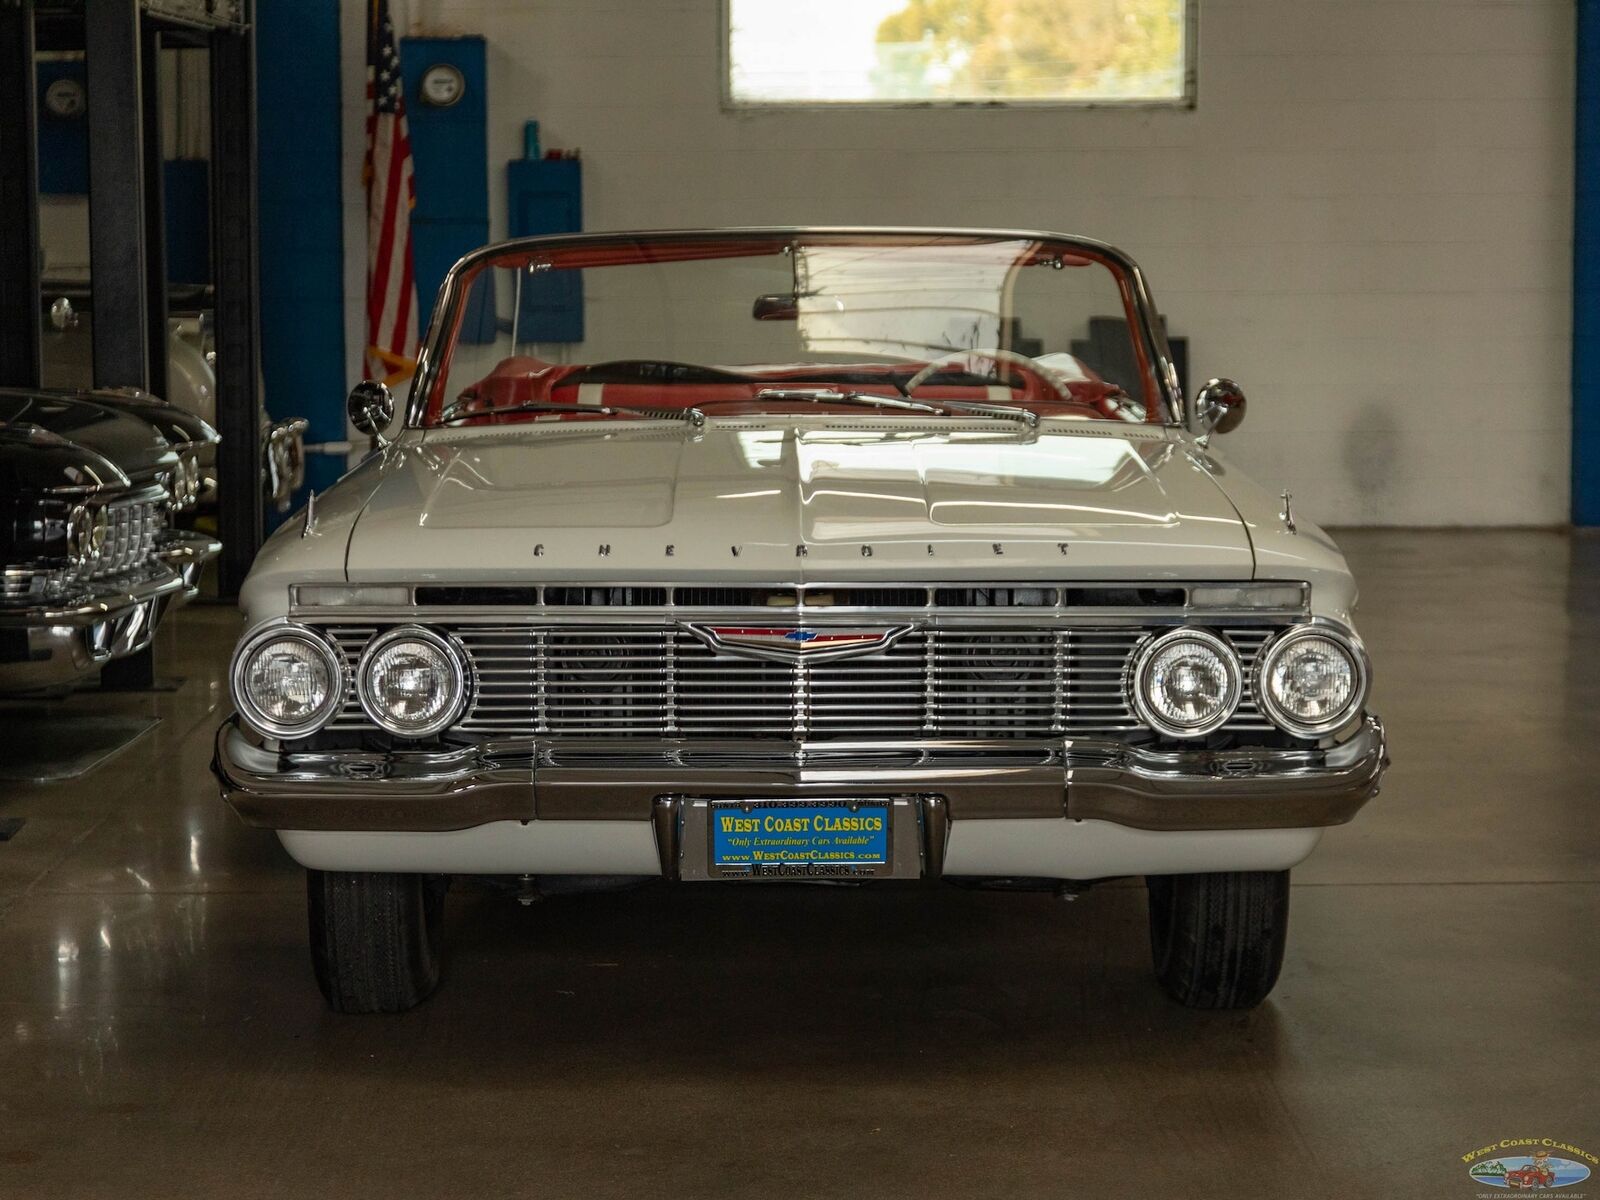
(101, 431)
(885, 499)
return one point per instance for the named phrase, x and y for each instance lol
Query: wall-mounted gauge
(442, 85)
(65, 98)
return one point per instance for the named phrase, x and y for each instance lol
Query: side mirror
(776, 308)
(1219, 407)
(370, 407)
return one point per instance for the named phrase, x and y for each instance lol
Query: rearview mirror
(370, 407)
(776, 307)
(1219, 407)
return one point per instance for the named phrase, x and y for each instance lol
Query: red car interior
(521, 380)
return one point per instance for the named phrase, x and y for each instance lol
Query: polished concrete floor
(160, 1033)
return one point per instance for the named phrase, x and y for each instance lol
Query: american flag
(391, 194)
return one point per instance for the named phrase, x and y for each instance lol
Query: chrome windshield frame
(452, 291)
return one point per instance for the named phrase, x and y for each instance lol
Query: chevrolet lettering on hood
(766, 577)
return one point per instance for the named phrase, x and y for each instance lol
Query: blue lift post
(1586, 273)
(302, 222)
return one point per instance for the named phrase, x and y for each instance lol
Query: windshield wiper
(652, 370)
(834, 396)
(938, 408)
(458, 411)
(1009, 412)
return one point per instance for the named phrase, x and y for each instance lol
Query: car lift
(120, 40)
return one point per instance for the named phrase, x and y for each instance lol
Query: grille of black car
(664, 682)
(131, 530)
(128, 548)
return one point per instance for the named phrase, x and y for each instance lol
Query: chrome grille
(132, 540)
(19, 583)
(132, 527)
(623, 681)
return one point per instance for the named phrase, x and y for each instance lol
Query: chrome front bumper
(55, 644)
(622, 780)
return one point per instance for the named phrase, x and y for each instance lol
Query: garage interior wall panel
(1367, 219)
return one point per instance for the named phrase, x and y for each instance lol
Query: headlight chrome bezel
(1156, 644)
(87, 529)
(285, 630)
(186, 481)
(79, 534)
(460, 679)
(1268, 657)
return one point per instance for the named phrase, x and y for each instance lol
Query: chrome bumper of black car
(623, 780)
(52, 644)
(187, 553)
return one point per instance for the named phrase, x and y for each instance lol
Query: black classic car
(91, 483)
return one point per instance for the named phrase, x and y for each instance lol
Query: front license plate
(802, 840)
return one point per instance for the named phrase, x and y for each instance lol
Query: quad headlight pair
(290, 681)
(1308, 681)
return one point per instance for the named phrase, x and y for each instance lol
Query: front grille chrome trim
(612, 681)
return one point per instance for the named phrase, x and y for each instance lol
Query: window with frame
(888, 52)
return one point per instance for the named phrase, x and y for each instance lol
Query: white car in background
(68, 362)
(824, 555)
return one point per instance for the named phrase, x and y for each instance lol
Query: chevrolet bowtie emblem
(789, 643)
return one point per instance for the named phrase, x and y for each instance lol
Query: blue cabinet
(450, 154)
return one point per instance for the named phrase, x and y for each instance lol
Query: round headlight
(412, 682)
(87, 530)
(288, 681)
(100, 534)
(186, 480)
(79, 527)
(1186, 683)
(1311, 680)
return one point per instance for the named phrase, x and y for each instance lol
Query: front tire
(374, 938)
(1217, 939)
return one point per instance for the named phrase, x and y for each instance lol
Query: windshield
(656, 327)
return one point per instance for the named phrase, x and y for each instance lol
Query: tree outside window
(959, 51)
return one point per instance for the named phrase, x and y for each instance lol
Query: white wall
(1367, 219)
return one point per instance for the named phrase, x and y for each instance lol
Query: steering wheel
(1029, 368)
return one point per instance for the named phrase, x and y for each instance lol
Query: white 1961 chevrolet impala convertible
(799, 554)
